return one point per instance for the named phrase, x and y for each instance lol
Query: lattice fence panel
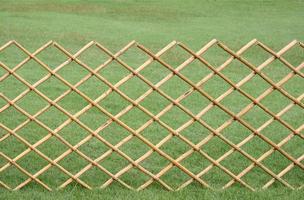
(214, 117)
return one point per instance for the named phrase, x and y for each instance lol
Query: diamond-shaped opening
(154, 102)
(295, 55)
(195, 102)
(32, 72)
(215, 86)
(155, 185)
(235, 101)
(134, 57)
(93, 118)
(276, 185)
(32, 162)
(155, 133)
(114, 103)
(294, 86)
(52, 117)
(256, 177)
(175, 117)
(276, 162)
(255, 86)
(2, 72)
(114, 133)
(94, 176)
(236, 162)
(216, 56)
(135, 118)
(73, 162)
(196, 71)
(93, 148)
(256, 55)
(294, 147)
(215, 147)
(175, 147)
(3, 161)
(73, 72)
(12, 146)
(271, 132)
(2, 103)
(93, 57)
(256, 147)
(52, 88)
(74, 186)
(135, 177)
(53, 177)
(3, 134)
(12, 87)
(215, 117)
(32, 184)
(236, 71)
(12, 113)
(52, 57)
(236, 132)
(134, 148)
(32, 132)
(175, 176)
(175, 87)
(114, 162)
(73, 133)
(195, 132)
(275, 101)
(115, 185)
(93, 87)
(216, 177)
(175, 56)
(73, 102)
(256, 117)
(134, 88)
(295, 177)
(194, 186)
(155, 162)
(114, 72)
(12, 55)
(32, 103)
(12, 176)
(53, 148)
(276, 71)
(294, 116)
(155, 72)
(195, 162)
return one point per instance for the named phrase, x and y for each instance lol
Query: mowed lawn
(154, 24)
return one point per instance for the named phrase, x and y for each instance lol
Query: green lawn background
(154, 24)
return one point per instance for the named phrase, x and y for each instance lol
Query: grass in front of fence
(154, 193)
(106, 22)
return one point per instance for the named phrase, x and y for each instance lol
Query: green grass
(153, 24)
(119, 193)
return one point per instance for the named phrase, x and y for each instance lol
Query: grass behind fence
(195, 24)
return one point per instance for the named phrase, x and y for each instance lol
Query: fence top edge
(138, 41)
(211, 42)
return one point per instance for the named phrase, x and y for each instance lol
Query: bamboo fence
(174, 102)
